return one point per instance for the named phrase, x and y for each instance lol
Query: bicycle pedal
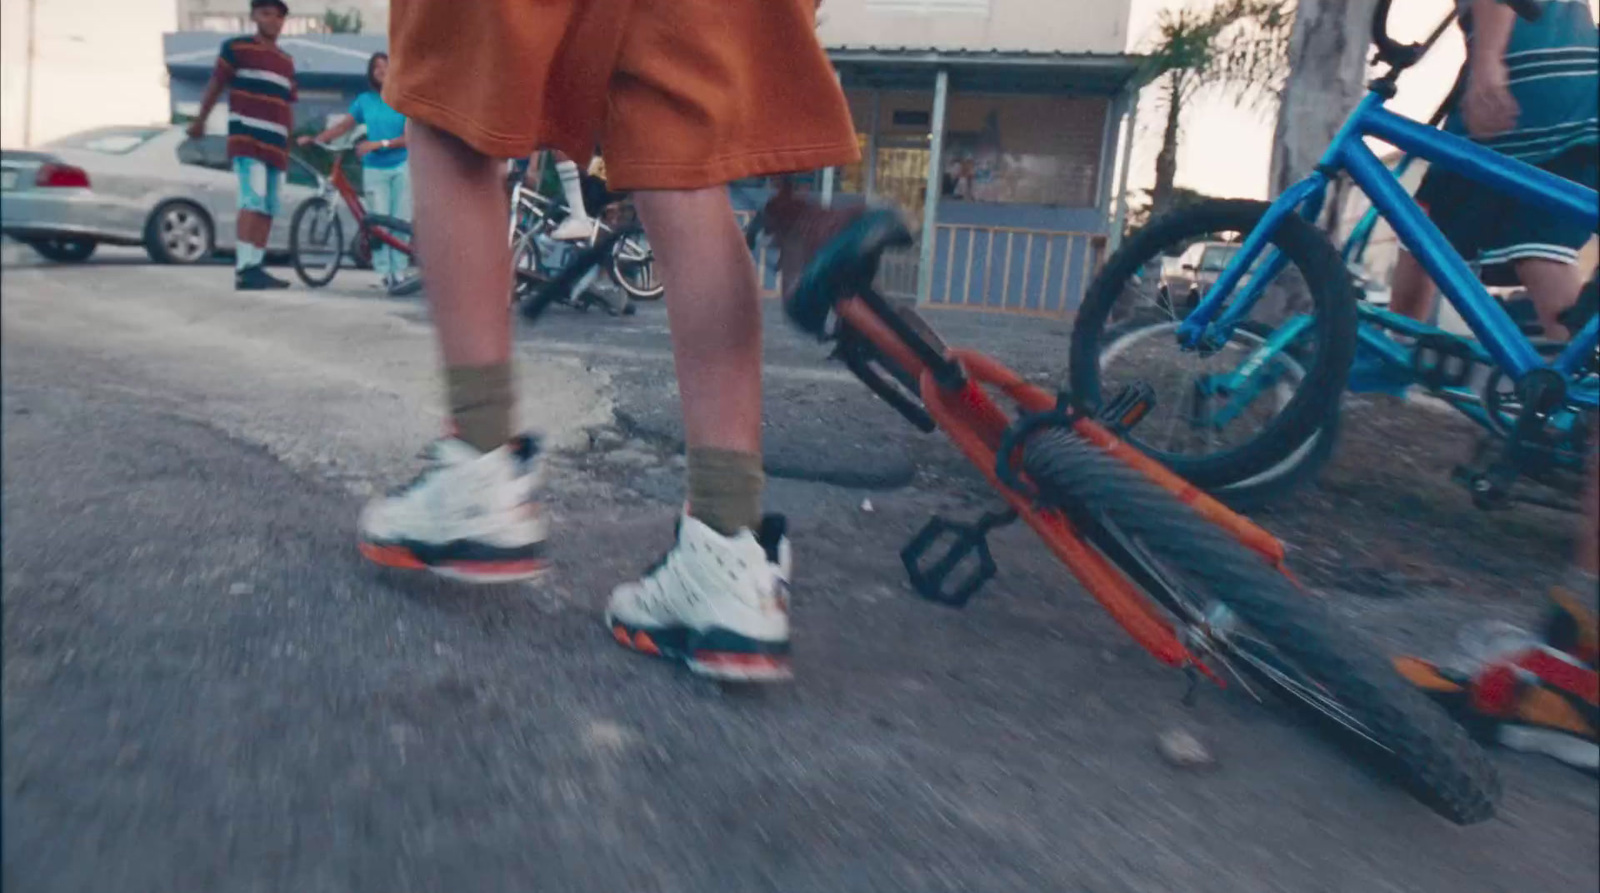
(939, 580)
(1128, 408)
(1442, 361)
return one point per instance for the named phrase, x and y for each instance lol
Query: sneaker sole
(499, 571)
(766, 662)
(1564, 746)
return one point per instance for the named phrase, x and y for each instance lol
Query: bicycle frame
(1500, 339)
(954, 389)
(341, 184)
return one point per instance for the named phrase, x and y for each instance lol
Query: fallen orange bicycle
(1199, 587)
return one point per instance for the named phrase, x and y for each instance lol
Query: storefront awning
(985, 71)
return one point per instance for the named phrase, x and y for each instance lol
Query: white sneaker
(573, 229)
(719, 604)
(469, 516)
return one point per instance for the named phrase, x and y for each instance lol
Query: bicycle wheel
(527, 268)
(562, 285)
(633, 266)
(1210, 423)
(316, 242)
(1302, 464)
(1243, 616)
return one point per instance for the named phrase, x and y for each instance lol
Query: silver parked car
(126, 186)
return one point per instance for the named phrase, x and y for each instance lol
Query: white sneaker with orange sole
(468, 516)
(718, 604)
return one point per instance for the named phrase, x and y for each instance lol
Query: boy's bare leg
(713, 308)
(719, 600)
(461, 209)
(1410, 288)
(461, 212)
(254, 228)
(1553, 286)
(470, 516)
(715, 315)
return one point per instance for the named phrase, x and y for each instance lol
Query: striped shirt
(1553, 67)
(261, 87)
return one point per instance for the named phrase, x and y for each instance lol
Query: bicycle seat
(844, 266)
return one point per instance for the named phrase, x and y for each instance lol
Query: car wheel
(179, 232)
(64, 251)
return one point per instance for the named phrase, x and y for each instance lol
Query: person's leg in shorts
(1510, 241)
(717, 601)
(258, 204)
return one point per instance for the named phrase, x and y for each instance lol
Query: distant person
(385, 177)
(260, 82)
(1531, 92)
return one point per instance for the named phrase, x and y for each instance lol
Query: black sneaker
(254, 278)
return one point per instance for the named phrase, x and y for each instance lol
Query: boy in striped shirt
(259, 78)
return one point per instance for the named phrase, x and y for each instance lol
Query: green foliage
(1241, 46)
(1139, 209)
(335, 22)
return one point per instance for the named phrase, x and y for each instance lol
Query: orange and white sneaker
(468, 516)
(1521, 692)
(719, 604)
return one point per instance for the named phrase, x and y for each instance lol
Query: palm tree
(1240, 46)
(335, 22)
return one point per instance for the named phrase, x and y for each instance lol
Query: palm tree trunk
(1327, 74)
(1167, 158)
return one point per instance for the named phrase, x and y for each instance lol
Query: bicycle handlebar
(1404, 55)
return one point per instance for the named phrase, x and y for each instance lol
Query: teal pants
(388, 192)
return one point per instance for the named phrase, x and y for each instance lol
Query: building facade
(305, 16)
(996, 125)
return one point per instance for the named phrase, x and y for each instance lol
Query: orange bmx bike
(1202, 589)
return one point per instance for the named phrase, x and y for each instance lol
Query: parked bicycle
(1250, 378)
(316, 232)
(537, 258)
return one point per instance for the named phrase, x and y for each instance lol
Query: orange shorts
(678, 94)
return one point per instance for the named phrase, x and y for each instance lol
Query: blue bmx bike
(1243, 321)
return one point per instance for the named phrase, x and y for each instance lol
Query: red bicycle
(316, 232)
(1199, 587)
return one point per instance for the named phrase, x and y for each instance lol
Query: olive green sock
(481, 403)
(725, 489)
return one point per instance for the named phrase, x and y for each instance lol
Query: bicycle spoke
(1313, 697)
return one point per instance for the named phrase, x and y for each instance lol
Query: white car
(126, 186)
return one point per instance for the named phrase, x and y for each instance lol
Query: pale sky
(98, 62)
(1227, 151)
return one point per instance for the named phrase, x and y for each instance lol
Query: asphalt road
(206, 689)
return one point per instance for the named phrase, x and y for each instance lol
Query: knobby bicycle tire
(621, 280)
(1429, 753)
(305, 208)
(1331, 346)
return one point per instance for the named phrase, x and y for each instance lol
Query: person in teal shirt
(385, 177)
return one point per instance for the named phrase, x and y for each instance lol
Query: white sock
(244, 256)
(256, 253)
(572, 187)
